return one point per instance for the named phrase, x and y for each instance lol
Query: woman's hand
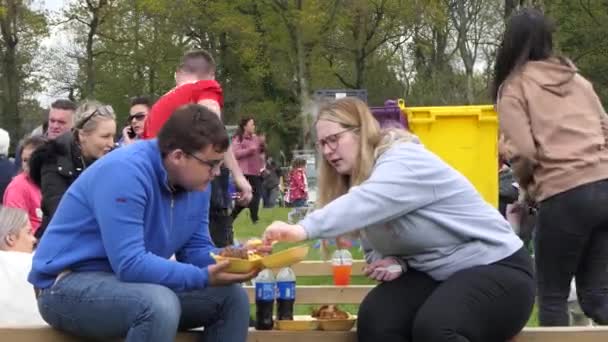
(385, 269)
(258, 246)
(281, 231)
(126, 139)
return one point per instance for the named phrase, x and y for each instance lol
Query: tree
(475, 24)
(365, 29)
(20, 30)
(87, 18)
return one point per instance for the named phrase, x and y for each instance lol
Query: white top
(17, 299)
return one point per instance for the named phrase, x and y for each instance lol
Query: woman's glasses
(332, 141)
(140, 116)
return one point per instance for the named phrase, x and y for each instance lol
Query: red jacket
(298, 186)
(177, 97)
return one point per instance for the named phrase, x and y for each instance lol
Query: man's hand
(246, 193)
(219, 277)
(385, 269)
(281, 231)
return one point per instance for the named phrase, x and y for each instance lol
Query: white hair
(5, 142)
(12, 220)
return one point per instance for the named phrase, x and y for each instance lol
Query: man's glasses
(332, 140)
(213, 164)
(137, 116)
(103, 111)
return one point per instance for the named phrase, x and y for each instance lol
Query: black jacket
(54, 166)
(7, 172)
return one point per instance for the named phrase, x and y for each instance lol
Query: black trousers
(490, 303)
(572, 241)
(220, 228)
(254, 205)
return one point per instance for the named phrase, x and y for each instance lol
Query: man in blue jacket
(103, 269)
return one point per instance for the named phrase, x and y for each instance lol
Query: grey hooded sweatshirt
(416, 207)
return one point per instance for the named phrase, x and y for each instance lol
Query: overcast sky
(52, 5)
(54, 39)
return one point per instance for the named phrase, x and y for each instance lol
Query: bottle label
(264, 291)
(287, 290)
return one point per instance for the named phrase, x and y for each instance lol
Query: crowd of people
(125, 230)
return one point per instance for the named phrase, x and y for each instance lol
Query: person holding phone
(140, 107)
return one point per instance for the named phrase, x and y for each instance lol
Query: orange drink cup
(342, 274)
(342, 264)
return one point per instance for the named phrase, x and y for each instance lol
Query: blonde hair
(90, 113)
(353, 113)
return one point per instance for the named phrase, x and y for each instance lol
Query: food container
(338, 324)
(280, 259)
(238, 265)
(299, 323)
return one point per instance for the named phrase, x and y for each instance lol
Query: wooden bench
(319, 294)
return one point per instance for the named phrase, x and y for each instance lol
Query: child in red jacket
(298, 186)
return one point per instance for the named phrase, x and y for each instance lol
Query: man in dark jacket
(7, 167)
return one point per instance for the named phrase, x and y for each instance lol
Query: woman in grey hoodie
(464, 274)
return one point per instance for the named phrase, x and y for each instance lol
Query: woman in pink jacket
(22, 192)
(249, 150)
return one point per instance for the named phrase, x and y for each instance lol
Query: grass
(244, 229)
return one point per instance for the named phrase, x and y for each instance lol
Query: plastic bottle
(264, 300)
(342, 264)
(286, 284)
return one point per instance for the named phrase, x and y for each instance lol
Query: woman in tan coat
(556, 126)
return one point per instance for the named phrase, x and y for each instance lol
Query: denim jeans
(572, 240)
(97, 305)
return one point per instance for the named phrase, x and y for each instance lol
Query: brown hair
(33, 141)
(298, 162)
(197, 62)
(350, 112)
(141, 100)
(191, 128)
(64, 104)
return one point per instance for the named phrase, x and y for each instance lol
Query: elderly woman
(57, 164)
(17, 243)
(449, 265)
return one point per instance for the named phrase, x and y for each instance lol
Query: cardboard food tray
(280, 259)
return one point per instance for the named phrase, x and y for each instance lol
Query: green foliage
(272, 54)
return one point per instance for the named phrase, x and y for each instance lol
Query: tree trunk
(303, 85)
(89, 89)
(89, 63)
(10, 70)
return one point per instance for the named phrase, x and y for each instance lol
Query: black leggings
(254, 205)
(490, 303)
(572, 240)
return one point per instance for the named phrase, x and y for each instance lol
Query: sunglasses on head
(103, 111)
(137, 116)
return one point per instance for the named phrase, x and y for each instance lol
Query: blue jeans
(97, 305)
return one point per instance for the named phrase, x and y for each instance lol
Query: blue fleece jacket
(120, 216)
